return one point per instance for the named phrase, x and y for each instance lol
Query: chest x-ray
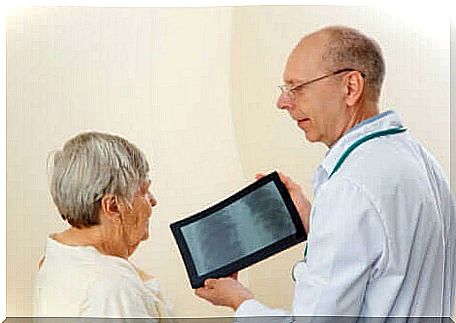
(245, 226)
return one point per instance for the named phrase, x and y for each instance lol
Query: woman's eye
(145, 188)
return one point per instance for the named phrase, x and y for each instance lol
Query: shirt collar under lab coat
(386, 120)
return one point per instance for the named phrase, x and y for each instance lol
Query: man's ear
(354, 87)
(110, 207)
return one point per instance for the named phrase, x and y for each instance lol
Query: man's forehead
(306, 59)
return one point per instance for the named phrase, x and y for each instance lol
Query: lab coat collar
(386, 120)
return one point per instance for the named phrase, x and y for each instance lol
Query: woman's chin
(132, 248)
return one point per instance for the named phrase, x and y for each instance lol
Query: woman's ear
(110, 207)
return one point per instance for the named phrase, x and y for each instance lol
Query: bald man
(379, 239)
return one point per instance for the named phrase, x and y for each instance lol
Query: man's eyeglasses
(291, 90)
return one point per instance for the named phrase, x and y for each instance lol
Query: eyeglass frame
(291, 91)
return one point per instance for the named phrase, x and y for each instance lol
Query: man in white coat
(381, 228)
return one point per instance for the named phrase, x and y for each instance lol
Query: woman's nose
(152, 200)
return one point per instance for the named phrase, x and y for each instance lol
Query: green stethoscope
(343, 157)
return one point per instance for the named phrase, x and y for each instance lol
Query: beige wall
(195, 89)
(158, 77)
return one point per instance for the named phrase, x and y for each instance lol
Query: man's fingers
(259, 175)
(210, 283)
(284, 178)
(288, 182)
(200, 291)
(203, 292)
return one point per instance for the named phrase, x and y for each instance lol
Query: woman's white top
(79, 281)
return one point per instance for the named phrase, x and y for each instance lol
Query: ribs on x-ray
(236, 231)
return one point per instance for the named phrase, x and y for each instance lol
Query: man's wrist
(235, 305)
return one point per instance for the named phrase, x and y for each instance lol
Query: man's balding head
(333, 79)
(340, 47)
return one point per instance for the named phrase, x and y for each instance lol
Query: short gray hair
(348, 48)
(89, 166)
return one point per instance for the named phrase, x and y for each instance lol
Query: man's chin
(310, 137)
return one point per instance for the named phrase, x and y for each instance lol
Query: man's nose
(284, 101)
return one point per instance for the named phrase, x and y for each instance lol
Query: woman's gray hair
(89, 166)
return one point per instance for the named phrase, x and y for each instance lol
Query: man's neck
(357, 118)
(361, 114)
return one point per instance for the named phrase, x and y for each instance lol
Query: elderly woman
(100, 186)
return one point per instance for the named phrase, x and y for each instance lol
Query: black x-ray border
(269, 250)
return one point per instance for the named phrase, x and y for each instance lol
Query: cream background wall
(159, 77)
(195, 88)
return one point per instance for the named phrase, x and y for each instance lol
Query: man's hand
(297, 195)
(224, 292)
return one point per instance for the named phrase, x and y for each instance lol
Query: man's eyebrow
(293, 81)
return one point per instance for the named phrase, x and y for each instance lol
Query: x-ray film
(245, 228)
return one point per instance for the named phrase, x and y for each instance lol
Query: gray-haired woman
(100, 186)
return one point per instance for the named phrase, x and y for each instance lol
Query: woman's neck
(94, 236)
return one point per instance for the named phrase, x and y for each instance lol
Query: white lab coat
(382, 236)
